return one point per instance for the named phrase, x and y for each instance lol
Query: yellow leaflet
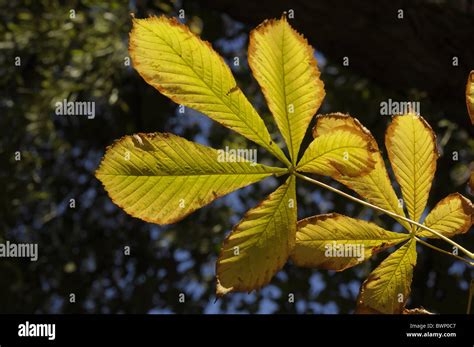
(470, 96)
(283, 63)
(387, 288)
(260, 244)
(451, 216)
(375, 186)
(411, 147)
(344, 151)
(328, 122)
(187, 70)
(161, 178)
(337, 242)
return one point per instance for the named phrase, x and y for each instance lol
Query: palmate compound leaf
(342, 151)
(388, 287)
(375, 186)
(161, 178)
(283, 63)
(411, 147)
(337, 242)
(187, 70)
(260, 244)
(451, 216)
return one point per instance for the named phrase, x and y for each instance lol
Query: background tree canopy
(77, 50)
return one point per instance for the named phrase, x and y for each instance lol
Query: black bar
(320, 330)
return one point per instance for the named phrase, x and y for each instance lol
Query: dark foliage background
(84, 59)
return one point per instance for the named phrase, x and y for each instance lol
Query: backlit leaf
(260, 244)
(388, 287)
(187, 70)
(419, 310)
(411, 147)
(344, 151)
(470, 96)
(337, 242)
(451, 216)
(283, 63)
(375, 186)
(161, 178)
(328, 122)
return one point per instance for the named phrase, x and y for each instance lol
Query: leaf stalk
(387, 212)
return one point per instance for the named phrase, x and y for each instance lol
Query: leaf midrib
(271, 148)
(303, 163)
(188, 175)
(408, 244)
(285, 101)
